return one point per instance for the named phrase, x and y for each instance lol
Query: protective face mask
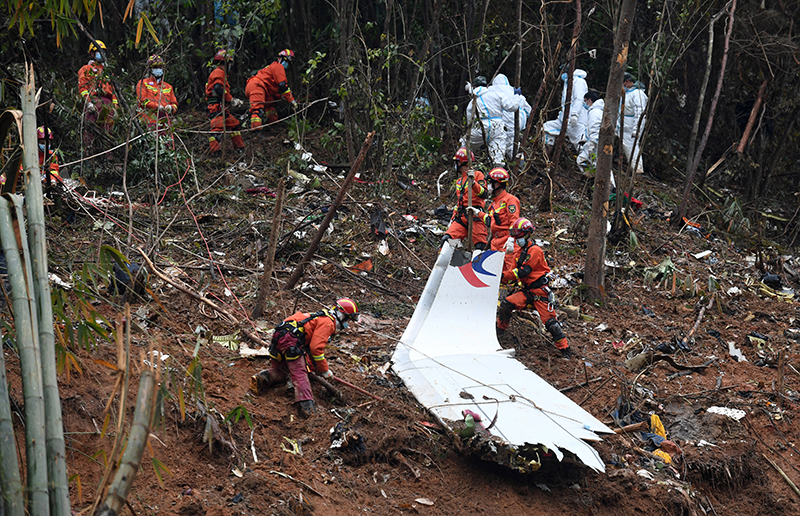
(285, 65)
(520, 242)
(158, 73)
(41, 147)
(586, 106)
(564, 76)
(98, 57)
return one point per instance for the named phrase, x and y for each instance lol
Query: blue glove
(517, 91)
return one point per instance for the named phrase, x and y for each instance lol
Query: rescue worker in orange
(458, 222)
(97, 94)
(218, 93)
(45, 165)
(529, 275)
(273, 77)
(257, 95)
(157, 102)
(299, 342)
(502, 212)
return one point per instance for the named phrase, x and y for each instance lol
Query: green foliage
(237, 413)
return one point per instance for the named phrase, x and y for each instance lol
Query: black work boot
(260, 382)
(306, 408)
(566, 353)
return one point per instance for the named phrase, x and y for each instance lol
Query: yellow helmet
(93, 48)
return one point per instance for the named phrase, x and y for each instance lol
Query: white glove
(473, 210)
(327, 374)
(468, 88)
(573, 119)
(235, 103)
(91, 108)
(294, 105)
(509, 247)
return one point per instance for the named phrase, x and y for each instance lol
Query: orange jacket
(92, 82)
(318, 331)
(256, 93)
(54, 168)
(478, 192)
(530, 266)
(275, 84)
(217, 76)
(503, 212)
(153, 94)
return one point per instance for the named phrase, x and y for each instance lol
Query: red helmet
(521, 228)
(40, 133)
(461, 155)
(348, 307)
(286, 54)
(223, 55)
(500, 175)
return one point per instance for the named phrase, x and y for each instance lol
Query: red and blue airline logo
(469, 270)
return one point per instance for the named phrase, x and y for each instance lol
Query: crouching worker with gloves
(530, 275)
(299, 342)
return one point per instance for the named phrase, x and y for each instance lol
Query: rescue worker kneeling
(300, 336)
(530, 274)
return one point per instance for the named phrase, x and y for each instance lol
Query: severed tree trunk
(596, 241)
(688, 180)
(752, 120)
(269, 263)
(12, 495)
(345, 14)
(518, 83)
(568, 98)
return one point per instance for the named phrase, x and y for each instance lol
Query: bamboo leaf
(139, 31)
(107, 364)
(181, 403)
(150, 28)
(158, 467)
(77, 479)
(128, 10)
(106, 420)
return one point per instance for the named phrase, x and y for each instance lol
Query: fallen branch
(582, 384)
(183, 288)
(300, 482)
(636, 427)
(405, 462)
(699, 318)
(336, 393)
(785, 477)
(359, 389)
(216, 433)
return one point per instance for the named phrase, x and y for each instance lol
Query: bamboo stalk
(28, 346)
(34, 201)
(12, 494)
(269, 263)
(137, 439)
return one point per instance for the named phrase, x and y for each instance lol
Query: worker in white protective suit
(518, 100)
(634, 121)
(577, 116)
(587, 157)
(487, 107)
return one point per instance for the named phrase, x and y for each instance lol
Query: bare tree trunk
(777, 154)
(687, 182)
(423, 57)
(568, 97)
(596, 241)
(752, 120)
(345, 14)
(269, 263)
(518, 84)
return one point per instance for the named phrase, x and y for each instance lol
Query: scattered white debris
(734, 291)
(736, 352)
(703, 442)
(383, 248)
(734, 414)
(645, 474)
(423, 501)
(58, 281)
(700, 256)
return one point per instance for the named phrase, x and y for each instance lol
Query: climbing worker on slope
(299, 336)
(45, 165)
(458, 228)
(218, 94)
(503, 211)
(97, 93)
(157, 102)
(485, 119)
(577, 116)
(634, 121)
(257, 96)
(529, 275)
(587, 157)
(273, 77)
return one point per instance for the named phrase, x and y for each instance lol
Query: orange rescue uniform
(257, 96)
(220, 119)
(52, 165)
(273, 77)
(458, 222)
(154, 96)
(530, 273)
(503, 211)
(95, 88)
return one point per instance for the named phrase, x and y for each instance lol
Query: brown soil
(408, 464)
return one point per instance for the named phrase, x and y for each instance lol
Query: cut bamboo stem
(30, 362)
(12, 494)
(34, 204)
(786, 478)
(269, 263)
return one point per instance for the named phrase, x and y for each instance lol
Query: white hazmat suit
(588, 155)
(488, 106)
(500, 82)
(635, 107)
(577, 115)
